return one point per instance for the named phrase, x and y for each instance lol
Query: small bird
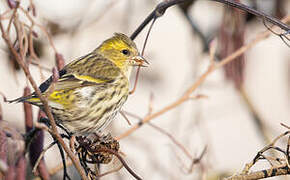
(91, 89)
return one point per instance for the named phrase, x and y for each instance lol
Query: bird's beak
(139, 61)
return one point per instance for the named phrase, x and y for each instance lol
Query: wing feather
(90, 70)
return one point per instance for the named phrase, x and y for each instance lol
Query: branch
(21, 167)
(36, 144)
(156, 13)
(21, 61)
(284, 170)
(120, 159)
(193, 87)
(162, 7)
(257, 13)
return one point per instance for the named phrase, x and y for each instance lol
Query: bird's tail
(32, 99)
(20, 99)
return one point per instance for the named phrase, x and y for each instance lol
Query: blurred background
(244, 102)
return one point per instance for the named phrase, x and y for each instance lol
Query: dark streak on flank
(81, 117)
(265, 173)
(108, 109)
(274, 171)
(101, 98)
(113, 93)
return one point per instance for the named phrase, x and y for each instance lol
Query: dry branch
(257, 13)
(193, 87)
(163, 6)
(159, 11)
(20, 60)
(282, 169)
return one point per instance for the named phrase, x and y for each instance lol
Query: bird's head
(122, 51)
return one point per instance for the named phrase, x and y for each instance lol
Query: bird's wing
(92, 69)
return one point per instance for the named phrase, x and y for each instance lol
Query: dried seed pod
(89, 148)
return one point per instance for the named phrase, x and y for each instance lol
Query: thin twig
(202, 78)
(59, 167)
(281, 35)
(163, 6)
(136, 80)
(2, 16)
(197, 160)
(40, 27)
(284, 170)
(125, 117)
(185, 9)
(20, 61)
(284, 125)
(172, 138)
(281, 169)
(12, 18)
(36, 63)
(111, 171)
(41, 156)
(156, 13)
(257, 13)
(267, 147)
(120, 159)
(142, 54)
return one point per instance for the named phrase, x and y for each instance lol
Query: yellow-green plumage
(93, 88)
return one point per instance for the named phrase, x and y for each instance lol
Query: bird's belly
(92, 110)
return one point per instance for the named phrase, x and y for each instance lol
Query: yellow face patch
(119, 50)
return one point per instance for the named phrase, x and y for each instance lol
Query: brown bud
(27, 111)
(59, 60)
(232, 38)
(12, 3)
(34, 34)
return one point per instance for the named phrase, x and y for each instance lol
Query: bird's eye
(125, 52)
